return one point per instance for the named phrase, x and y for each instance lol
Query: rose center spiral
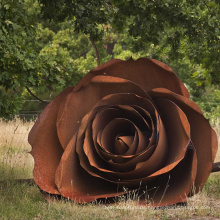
(122, 144)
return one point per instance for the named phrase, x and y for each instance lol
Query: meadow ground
(23, 201)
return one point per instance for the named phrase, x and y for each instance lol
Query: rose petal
(73, 182)
(123, 126)
(132, 114)
(173, 187)
(177, 129)
(111, 158)
(145, 72)
(203, 136)
(46, 148)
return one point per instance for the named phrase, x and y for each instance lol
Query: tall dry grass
(216, 125)
(15, 161)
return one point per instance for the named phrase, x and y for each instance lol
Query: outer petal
(203, 136)
(173, 187)
(46, 148)
(145, 72)
(177, 129)
(76, 184)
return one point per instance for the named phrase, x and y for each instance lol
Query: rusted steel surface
(128, 126)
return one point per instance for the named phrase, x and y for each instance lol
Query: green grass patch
(212, 186)
(8, 172)
(22, 201)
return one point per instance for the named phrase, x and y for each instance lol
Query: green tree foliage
(37, 55)
(209, 102)
(189, 28)
(46, 45)
(18, 59)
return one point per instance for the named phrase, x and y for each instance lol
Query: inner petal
(118, 158)
(128, 140)
(116, 128)
(120, 147)
(144, 128)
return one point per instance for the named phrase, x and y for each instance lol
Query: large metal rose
(126, 125)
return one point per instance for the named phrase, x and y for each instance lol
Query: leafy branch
(31, 93)
(96, 50)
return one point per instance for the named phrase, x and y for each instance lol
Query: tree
(18, 59)
(48, 46)
(37, 55)
(189, 28)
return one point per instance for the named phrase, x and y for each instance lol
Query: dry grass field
(22, 201)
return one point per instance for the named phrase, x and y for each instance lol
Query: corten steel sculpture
(126, 125)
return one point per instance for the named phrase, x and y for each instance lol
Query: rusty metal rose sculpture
(127, 124)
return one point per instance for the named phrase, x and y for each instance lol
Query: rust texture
(128, 126)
